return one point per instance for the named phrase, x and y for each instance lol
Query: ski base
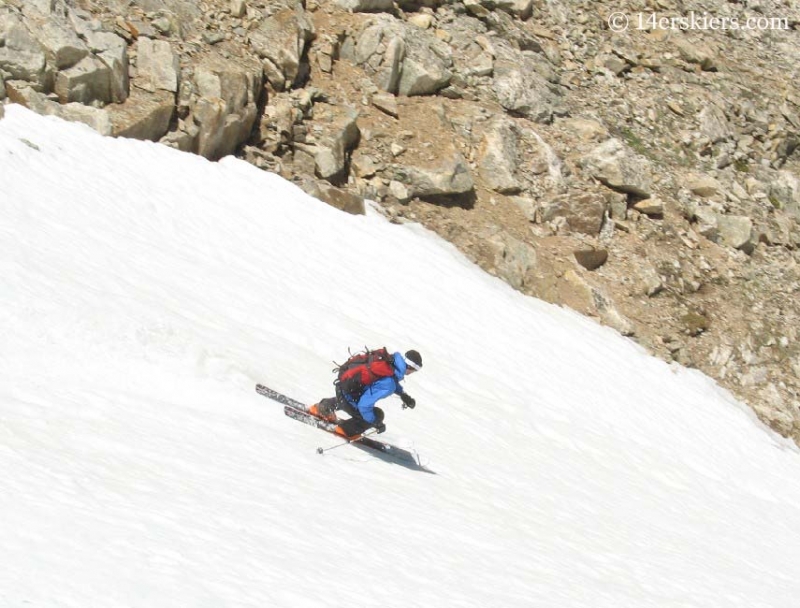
(299, 411)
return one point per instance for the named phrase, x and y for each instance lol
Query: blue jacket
(381, 389)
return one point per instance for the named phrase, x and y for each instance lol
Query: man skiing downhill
(363, 381)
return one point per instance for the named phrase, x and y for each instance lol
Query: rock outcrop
(648, 179)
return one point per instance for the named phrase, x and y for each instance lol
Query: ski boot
(323, 411)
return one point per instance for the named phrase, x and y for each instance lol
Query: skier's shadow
(406, 460)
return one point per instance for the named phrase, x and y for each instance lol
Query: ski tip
(320, 450)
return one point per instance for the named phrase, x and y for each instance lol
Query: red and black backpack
(361, 370)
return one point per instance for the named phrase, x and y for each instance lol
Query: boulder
(450, 178)
(696, 53)
(339, 134)
(158, 66)
(583, 212)
(426, 67)
(87, 81)
(714, 124)
(518, 8)
(143, 115)
(280, 42)
(497, 156)
(707, 222)
(22, 93)
(736, 231)
(703, 185)
(366, 6)
(386, 103)
(335, 197)
(62, 46)
(652, 207)
(400, 57)
(779, 229)
(616, 166)
(21, 56)
(512, 259)
(113, 51)
(224, 106)
(528, 206)
(784, 192)
(584, 297)
(523, 92)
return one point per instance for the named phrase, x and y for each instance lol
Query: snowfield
(144, 292)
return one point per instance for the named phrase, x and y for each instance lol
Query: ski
(298, 411)
(280, 398)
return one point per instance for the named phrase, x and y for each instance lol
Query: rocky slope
(649, 178)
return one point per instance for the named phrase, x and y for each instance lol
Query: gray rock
(143, 115)
(696, 53)
(497, 156)
(426, 67)
(2, 88)
(650, 280)
(335, 197)
(421, 20)
(523, 92)
(113, 51)
(184, 138)
(519, 8)
(778, 230)
(513, 259)
(450, 178)
(63, 48)
(401, 58)
(281, 41)
(158, 66)
(21, 56)
(363, 166)
(617, 205)
(652, 207)
(714, 125)
(96, 118)
(528, 206)
(238, 8)
(736, 231)
(616, 166)
(40, 8)
(583, 212)
(386, 103)
(707, 222)
(366, 6)
(703, 185)
(87, 81)
(162, 25)
(388, 75)
(589, 299)
(399, 191)
(224, 107)
(476, 9)
(340, 134)
(784, 191)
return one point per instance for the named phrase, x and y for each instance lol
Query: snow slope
(143, 292)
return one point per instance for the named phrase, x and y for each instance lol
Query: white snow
(144, 292)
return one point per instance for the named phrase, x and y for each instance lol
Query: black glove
(408, 401)
(379, 427)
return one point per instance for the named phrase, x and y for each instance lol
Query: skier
(359, 401)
